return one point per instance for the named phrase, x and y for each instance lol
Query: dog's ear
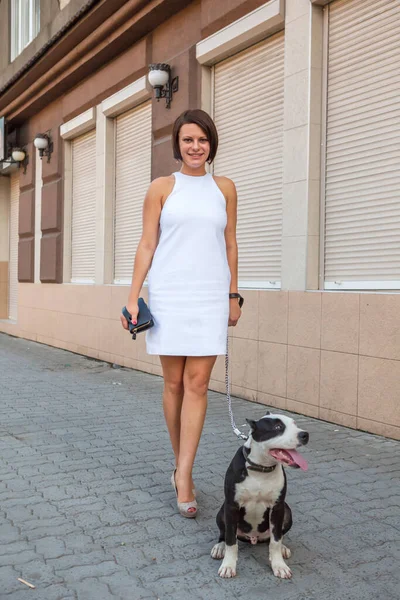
(267, 413)
(253, 424)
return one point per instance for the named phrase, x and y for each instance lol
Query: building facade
(306, 98)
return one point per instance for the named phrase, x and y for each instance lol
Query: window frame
(25, 25)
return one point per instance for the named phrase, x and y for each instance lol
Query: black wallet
(144, 319)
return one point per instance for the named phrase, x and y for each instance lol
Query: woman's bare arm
(228, 188)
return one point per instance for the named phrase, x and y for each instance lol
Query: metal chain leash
(236, 431)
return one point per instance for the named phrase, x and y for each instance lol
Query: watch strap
(239, 297)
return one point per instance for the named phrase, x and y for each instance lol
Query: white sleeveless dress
(189, 277)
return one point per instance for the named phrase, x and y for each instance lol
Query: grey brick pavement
(87, 512)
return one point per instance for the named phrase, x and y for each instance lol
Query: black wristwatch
(239, 297)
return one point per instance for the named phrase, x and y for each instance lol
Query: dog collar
(254, 466)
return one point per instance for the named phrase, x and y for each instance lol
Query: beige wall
(3, 289)
(4, 213)
(4, 245)
(334, 356)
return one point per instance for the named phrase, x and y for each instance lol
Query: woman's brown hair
(205, 122)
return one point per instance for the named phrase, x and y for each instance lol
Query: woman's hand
(234, 312)
(133, 308)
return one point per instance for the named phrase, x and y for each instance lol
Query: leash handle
(236, 431)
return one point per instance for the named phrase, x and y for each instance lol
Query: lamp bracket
(166, 92)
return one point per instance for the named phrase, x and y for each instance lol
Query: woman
(189, 241)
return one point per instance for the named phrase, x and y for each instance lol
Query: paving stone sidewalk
(87, 511)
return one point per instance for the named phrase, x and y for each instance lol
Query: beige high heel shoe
(185, 508)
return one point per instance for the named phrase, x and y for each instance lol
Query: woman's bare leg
(173, 368)
(196, 378)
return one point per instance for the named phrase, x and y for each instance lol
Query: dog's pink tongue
(298, 459)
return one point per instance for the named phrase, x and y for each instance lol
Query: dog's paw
(281, 570)
(218, 551)
(227, 571)
(286, 552)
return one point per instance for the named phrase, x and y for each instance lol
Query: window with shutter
(362, 176)
(248, 112)
(83, 228)
(132, 178)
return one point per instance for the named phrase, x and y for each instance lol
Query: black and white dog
(255, 487)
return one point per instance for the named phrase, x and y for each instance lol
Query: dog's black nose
(303, 437)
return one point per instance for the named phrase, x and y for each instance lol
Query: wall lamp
(160, 78)
(44, 144)
(18, 157)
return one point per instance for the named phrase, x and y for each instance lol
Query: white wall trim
(130, 96)
(105, 192)
(362, 285)
(67, 236)
(38, 215)
(4, 218)
(79, 125)
(324, 116)
(250, 29)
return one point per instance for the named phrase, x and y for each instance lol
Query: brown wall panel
(53, 169)
(51, 206)
(51, 258)
(26, 219)
(47, 121)
(177, 34)
(126, 68)
(216, 15)
(48, 118)
(26, 248)
(28, 178)
(26, 222)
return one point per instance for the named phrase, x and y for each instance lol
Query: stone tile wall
(334, 356)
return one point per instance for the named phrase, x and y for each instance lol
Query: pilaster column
(301, 144)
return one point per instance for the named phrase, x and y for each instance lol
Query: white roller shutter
(248, 112)
(362, 193)
(83, 208)
(132, 178)
(14, 237)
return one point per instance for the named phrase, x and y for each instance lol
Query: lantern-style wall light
(160, 78)
(44, 144)
(18, 157)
